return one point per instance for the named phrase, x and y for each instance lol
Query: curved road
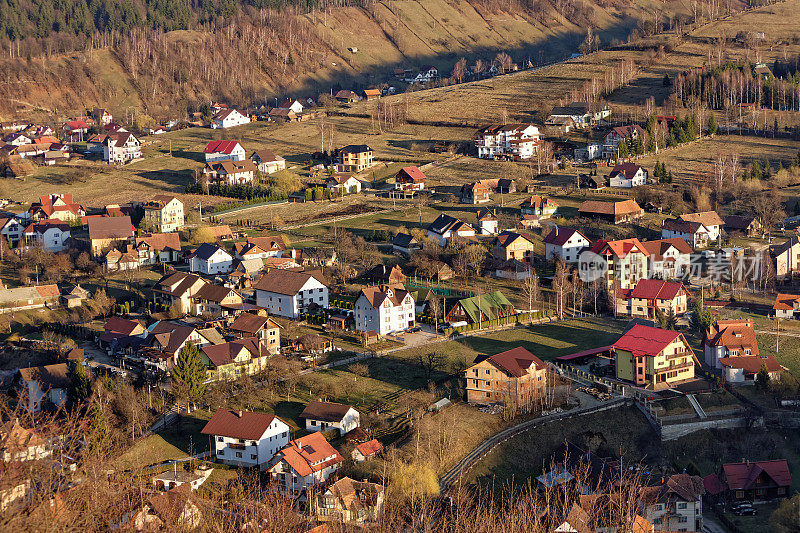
(463, 466)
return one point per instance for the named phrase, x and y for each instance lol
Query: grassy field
(178, 440)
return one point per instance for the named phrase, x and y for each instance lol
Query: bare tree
(531, 288)
(561, 286)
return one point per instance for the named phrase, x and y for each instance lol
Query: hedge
(488, 324)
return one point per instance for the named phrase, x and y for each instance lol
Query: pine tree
(80, 385)
(762, 378)
(712, 124)
(623, 149)
(99, 436)
(189, 375)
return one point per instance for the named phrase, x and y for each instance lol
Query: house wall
(219, 263)
(253, 452)
(487, 384)
(678, 515)
(290, 305)
(384, 319)
(349, 422)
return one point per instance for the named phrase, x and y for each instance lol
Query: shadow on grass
(185, 435)
(290, 412)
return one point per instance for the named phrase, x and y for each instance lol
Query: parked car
(745, 511)
(415, 329)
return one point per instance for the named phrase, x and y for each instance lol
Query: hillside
(256, 55)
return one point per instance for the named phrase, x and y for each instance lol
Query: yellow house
(515, 379)
(164, 213)
(355, 158)
(654, 358)
(235, 358)
(511, 245)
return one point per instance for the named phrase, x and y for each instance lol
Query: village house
(405, 244)
(170, 479)
(116, 327)
(626, 261)
(12, 230)
(286, 293)
(365, 450)
(76, 128)
(44, 386)
(33, 297)
(60, 206)
(283, 115)
(426, 73)
(209, 259)
(121, 147)
(108, 232)
(786, 306)
(258, 326)
(21, 444)
(216, 300)
(244, 438)
(668, 258)
(355, 158)
(312, 344)
(178, 289)
(619, 134)
(371, 94)
(233, 359)
(154, 248)
(325, 416)
(748, 226)
(710, 219)
(651, 298)
(383, 274)
(694, 233)
(163, 213)
(507, 141)
(487, 221)
(267, 162)
(384, 309)
(343, 183)
(582, 114)
(653, 358)
(346, 96)
(745, 368)
(786, 258)
(510, 245)
(446, 227)
(295, 106)
(541, 206)
(676, 504)
(627, 175)
(51, 234)
(481, 308)
(474, 193)
(165, 340)
(729, 338)
(259, 248)
(224, 150)
(118, 261)
(230, 172)
(101, 116)
(409, 179)
(614, 212)
(565, 243)
(515, 379)
(753, 481)
(303, 463)
(228, 118)
(349, 502)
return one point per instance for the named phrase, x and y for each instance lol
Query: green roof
(492, 304)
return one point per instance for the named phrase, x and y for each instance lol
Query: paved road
(464, 465)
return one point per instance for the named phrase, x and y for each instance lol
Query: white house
(228, 118)
(384, 309)
(51, 234)
(287, 293)
(267, 162)
(343, 184)
(565, 243)
(729, 338)
(121, 147)
(222, 150)
(786, 305)
(710, 219)
(303, 463)
(695, 234)
(292, 105)
(446, 227)
(669, 258)
(676, 505)
(210, 259)
(507, 141)
(487, 221)
(11, 229)
(324, 416)
(39, 384)
(426, 73)
(259, 248)
(243, 438)
(627, 175)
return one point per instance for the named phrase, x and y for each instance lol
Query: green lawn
(178, 440)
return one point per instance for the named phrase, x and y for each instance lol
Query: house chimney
(239, 414)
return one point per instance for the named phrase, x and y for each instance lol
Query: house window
(781, 491)
(739, 494)
(220, 439)
(682, 505)
(239, 454)
(760, 492)
(253, 456)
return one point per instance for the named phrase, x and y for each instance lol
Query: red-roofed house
(52, 234)
(668, 258)
(60, 206)
(652, 297)
(242, 438)
(729, 338)
(221, 150)
(304, 462)
(565, 243)
(626, 261)
(228, 118)
(77, 128)
(515, 379)
(653, 358)
(751, 480)
(409, 179)
(786, 305)
(365, 450)
(627, 175)
(541, 206)
(746, 367)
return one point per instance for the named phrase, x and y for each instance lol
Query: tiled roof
(238, 424)
(737, 334)
(251, 324)
(379, 294)
(644, 340)
(559, 236)
(286, 281)
(657, 249)
(225, 353)
(370, 447)
(506, 238)
(652, 289)
(49, 376)
(786, 302)
(742, 476)
(225, 147)
(751, 364)
(623, 207)
(160, 241)
(627, 170)
(620, 248)
(706, 218)
(308, 454)
(516, 361)
(325, 411)
(410, 174)
(111, 228)
(121, 325)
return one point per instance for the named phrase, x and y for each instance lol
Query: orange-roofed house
(515, 379)
(625, 261)
(668, 258)
(541, 206)
(350, 502)
(303, 463)
(365, 450)
(653, 297)
(654, 358)
(786, 305)
(614, 212)
(729, 338)
(409, 179)
(60, 206)
(746, 368)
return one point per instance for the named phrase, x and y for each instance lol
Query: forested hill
(62, 56)
(21, 19)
